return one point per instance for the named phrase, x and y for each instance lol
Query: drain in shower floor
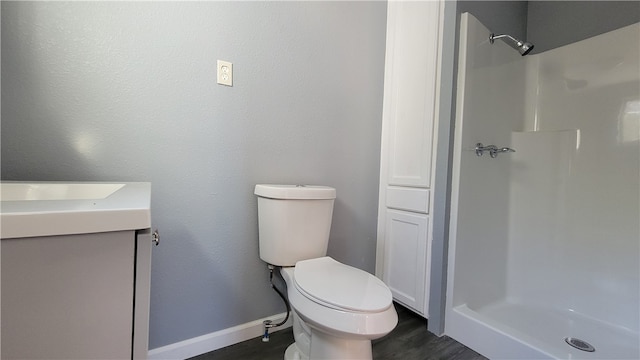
(579, 344)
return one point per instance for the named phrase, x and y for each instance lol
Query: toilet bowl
(337, 310)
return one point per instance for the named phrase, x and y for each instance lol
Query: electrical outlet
(225, 73)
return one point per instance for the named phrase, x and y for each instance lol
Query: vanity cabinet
(408, 150)
(74, 296)
(76, 274)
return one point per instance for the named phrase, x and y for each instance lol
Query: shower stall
(545, 241)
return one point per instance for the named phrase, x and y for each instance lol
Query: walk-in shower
(545, 241)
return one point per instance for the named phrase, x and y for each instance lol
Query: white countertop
(128, 208)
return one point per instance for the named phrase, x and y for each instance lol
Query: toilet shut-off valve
(266, 325)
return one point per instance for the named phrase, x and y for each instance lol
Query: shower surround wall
(545, 241)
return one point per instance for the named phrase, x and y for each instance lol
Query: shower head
(523, 47)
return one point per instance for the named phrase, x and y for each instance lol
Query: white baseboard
(215, 340)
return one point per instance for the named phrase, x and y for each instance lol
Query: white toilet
(337, 309)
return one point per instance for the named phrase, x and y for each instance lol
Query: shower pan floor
(546, 330)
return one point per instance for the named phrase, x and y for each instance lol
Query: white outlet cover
(225, 73)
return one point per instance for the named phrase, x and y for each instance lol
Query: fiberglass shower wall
(545, 242)
(574, 238)
(490, 92)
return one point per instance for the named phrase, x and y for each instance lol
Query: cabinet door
(68, 297)
(405, 261)
(410, 84)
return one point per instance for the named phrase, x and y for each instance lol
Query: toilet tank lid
(296, 192)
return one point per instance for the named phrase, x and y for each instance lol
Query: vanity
(75, 269)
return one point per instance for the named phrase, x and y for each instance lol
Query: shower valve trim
(492, 149)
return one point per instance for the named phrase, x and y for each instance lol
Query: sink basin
(30, 209)
(48, 191)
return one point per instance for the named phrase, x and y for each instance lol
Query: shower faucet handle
(480, 148)
(492, 149)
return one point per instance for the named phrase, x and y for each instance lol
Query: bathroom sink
(29, 209)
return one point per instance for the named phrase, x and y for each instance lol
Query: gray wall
(551, 24)
(557, 23)
(125, 91)
(501, 17)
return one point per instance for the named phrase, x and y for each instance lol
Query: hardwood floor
(408, 341)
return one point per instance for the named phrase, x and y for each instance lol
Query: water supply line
(268, 324)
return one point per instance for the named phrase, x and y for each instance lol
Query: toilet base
(294, 353)
(325, 346)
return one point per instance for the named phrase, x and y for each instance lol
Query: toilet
(337, 309)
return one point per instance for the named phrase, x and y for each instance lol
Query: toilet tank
(294, 222)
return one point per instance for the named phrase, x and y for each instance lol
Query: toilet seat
(341, 287)
(328, 318)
